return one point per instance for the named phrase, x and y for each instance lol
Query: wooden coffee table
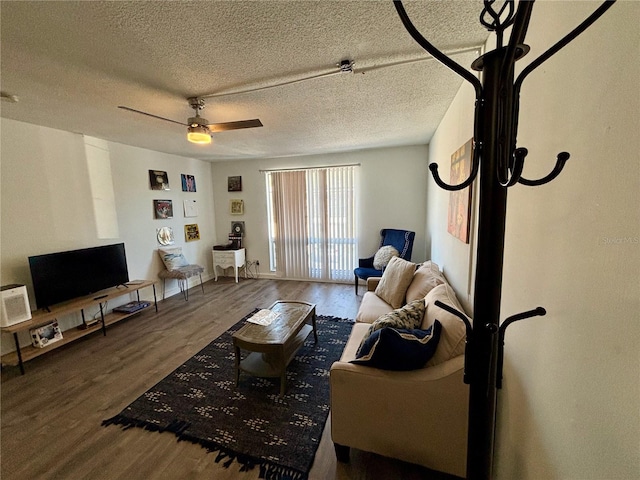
(273, 346)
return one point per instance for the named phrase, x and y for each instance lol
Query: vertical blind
(312, 223)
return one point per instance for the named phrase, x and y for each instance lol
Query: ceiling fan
(199, 129)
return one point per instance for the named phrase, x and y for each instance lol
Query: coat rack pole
(499, 164)
(488, 281)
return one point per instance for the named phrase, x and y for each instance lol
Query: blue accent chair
(402, 240)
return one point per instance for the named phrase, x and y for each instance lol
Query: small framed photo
(163, 208)
(159, 180)
(236, 207)
(191, 232)
(188, 183)
(234, 184)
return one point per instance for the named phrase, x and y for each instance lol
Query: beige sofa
(419, 416)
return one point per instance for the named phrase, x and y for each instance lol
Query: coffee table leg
(237, 350)
(315, 332)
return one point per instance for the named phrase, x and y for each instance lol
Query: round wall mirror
(165, 236)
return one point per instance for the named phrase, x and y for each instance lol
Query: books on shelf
(132, 307)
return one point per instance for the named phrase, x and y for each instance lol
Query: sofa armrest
(372, 283)
(418, 416)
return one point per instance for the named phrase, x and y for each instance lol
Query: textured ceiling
(72, 63)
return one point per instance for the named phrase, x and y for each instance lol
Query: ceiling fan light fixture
(198, 134)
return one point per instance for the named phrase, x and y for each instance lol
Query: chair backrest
(402, 240)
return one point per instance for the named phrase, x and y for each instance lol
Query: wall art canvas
(460, 201)
(236, 207)
(191, 232)
(234, 184)
(163, 208)
(190, 208)
(188, 183)
(159, 180)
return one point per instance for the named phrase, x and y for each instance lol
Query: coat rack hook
(536, 312)
(560, 161)
(469, 344)
(475, 165)
(515, 168)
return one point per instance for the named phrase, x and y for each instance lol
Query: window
(312, 223)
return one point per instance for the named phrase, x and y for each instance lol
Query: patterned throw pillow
(383, 255)
(173, 257)
(399, 349)
(408, 317)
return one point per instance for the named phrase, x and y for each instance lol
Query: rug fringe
(268, 470)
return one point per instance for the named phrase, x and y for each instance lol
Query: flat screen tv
(65, 275)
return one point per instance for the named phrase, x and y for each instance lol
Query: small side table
(229, 258)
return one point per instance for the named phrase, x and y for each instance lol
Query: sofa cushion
(426, 278)
(454, 332)
(173, 257)
(408, 317)
(395, 280)
(383, 255)
(371, 308)
(399, 349)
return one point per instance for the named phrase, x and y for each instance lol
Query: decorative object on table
(190, 208)
(188, 183)
(234, 184)
(164, 235)
(278, 434)
(236, 207)
(46, 334)
(263, 317)
(460, 200)
(163, 208)
(191, 232)
(159, 180)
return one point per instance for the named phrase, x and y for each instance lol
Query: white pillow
(172, 257)
(454, 332)
(395, 280)
(383, 255)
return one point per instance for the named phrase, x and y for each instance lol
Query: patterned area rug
(250, 424)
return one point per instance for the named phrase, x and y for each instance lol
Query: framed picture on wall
(234, 184)
(236, 207)
(188, 183)
(460, 200)
(163, 209)
(159, 180)
(191, 232)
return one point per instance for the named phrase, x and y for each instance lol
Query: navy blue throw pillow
(399, 349)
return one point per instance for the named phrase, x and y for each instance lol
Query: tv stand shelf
(42, 317)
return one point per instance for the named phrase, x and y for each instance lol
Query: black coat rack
(500, 164)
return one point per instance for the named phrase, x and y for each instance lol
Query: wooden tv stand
(42, 317)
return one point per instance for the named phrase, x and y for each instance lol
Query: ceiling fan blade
(151, 115)
(222, 127)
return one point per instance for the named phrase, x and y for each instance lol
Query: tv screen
(65, 275)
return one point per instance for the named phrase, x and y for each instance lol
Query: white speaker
(15, 305)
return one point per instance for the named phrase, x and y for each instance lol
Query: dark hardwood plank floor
(51, 417)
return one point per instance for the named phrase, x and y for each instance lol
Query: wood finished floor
(51, 417)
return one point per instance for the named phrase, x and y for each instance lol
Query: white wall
(47, 205)
(571, 398)
(392, 194)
